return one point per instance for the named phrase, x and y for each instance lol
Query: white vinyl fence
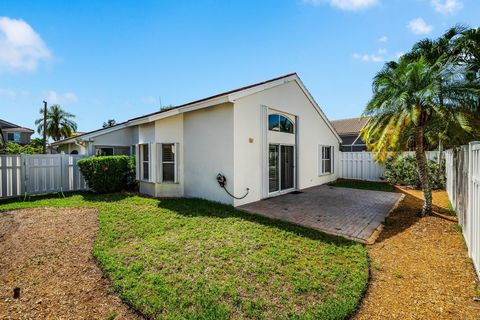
(361, 166)
(463, 187)
(38, 174)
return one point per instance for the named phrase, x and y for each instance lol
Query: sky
(120, 59)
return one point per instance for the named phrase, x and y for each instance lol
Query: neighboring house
(15, 133)
(349, 131)
(266, 139)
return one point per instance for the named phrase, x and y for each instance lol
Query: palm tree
(468, 47)
(410, 98)
(59, 123)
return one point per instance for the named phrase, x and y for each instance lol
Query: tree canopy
(431, 95)
(60, 124)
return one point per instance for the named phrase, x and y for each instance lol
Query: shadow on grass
(205, 208)
(86, 196)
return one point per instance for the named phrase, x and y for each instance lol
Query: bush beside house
(108, 174)
(403, 171)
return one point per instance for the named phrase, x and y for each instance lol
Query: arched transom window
(280, 123)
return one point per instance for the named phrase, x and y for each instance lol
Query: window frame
(279, 127)
(15, 136)
(322, 160)
(143, 162)
(175, 162)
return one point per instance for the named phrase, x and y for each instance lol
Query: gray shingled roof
(8, 125)
(349, 126)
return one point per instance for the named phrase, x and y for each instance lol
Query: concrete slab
(351, 213)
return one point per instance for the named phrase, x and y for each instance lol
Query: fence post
(24, 174)
(469, 214)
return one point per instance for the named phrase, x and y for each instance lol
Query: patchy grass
(360, 184)
(194, 259)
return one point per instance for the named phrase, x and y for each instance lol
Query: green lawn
(194, 259)
(360, 184)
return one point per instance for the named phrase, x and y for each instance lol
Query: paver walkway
(351, 213)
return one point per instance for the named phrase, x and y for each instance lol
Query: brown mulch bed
(47, 254)
(419, 267)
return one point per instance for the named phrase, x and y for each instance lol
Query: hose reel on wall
(222, 181)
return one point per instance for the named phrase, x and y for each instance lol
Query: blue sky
(114, 59)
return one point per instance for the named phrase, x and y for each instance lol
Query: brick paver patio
(351, 213)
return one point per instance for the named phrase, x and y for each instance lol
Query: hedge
(403, 171)
(108, 173)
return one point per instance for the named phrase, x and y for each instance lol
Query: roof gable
(351, 126)
(225, 97)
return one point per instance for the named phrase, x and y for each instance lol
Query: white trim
(159, 166)
(321, 160)
(137, 161)
(264, 152)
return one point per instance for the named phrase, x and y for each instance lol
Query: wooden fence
(361, 166)
(38, 174)
(463, 188)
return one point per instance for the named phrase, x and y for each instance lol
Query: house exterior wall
(125, 137)
(25, 137)
(69, 147)
(208, 150)
(250, 122)
(168, 130)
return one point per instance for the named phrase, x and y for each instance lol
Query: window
(110, 151)
(121, 151)
(168, 162)
(144, 162)
(13, 136)
(277, 122)
(104, 151)
(325, 160)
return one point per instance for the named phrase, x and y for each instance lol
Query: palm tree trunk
(423, 170)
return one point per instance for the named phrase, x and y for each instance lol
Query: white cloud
(350, 5)
(382, 51)
(419, 26)
(399, 54)
(383, 39)
(21, 48)
(368, 57)
(447, 7)
(54, 97)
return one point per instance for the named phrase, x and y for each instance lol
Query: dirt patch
(419, 267)
(47, 254)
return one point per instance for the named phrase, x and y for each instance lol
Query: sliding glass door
(281, 167)
(273, 168)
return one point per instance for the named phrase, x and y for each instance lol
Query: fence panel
(473, 213)
(39, 174)
(463, 187)
(361, 166)
(11, 176)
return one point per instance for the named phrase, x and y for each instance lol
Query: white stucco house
(266, 139)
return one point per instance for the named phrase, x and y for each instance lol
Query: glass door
(287, 163)
(273, 168)
(281, 168)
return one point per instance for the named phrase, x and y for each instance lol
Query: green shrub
(109, 173)
(403, 171)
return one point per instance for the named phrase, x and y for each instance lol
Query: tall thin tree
(59, 124)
